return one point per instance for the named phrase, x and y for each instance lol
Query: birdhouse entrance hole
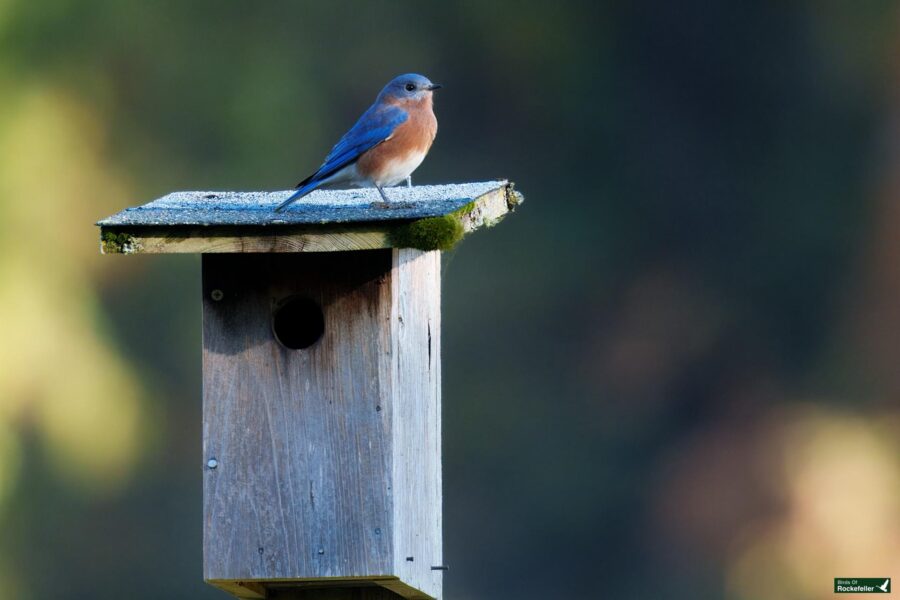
(298, 322)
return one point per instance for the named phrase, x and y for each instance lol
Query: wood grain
(416, 342)
(217, 240)
(302, 449)
(328, 458)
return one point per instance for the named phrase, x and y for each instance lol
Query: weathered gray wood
(328, 458)
(301, 445)
(324, 221)
(218, 240)
(416, 343)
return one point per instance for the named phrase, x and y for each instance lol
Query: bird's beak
(435, 86)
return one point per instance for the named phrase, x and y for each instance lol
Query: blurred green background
(674, 373)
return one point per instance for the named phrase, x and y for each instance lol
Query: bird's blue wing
(373, 127)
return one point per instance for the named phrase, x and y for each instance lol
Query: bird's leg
(409, 181)
(381, 191)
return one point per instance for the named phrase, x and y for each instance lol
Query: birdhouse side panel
(416, 325)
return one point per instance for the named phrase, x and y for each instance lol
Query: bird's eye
(410, 87)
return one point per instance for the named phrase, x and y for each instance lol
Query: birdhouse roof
(427, 217)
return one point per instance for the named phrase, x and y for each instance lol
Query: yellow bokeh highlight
(842, 513)
(60, 374)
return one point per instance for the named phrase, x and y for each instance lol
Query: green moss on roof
(116, 243)
(433, 233)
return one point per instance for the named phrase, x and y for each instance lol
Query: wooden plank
(178, 240)
(300, 438)
(326, 460)
(129, 236)
(416, 344)
(245, 590)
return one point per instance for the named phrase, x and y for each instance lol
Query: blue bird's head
(408, 87)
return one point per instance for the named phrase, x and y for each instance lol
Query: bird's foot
(409, 181)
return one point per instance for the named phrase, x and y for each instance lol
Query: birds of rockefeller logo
(862, 585)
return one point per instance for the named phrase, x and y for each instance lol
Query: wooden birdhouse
(321, 379)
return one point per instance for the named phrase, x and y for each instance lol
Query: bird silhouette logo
(886, 586)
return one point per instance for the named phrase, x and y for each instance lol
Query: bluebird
(387, 143)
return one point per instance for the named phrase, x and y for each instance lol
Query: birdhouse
(321, 379)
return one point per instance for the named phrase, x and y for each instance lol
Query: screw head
(212, 463)
(320, 551)
(217, 295)
(378, 531)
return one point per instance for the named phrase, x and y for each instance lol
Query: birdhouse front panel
(321, 420)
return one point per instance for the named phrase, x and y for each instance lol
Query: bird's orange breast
(392, 160)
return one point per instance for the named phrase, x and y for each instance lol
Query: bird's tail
(305, 187)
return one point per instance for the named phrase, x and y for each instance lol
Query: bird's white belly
(347, 175)
(399, 169)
